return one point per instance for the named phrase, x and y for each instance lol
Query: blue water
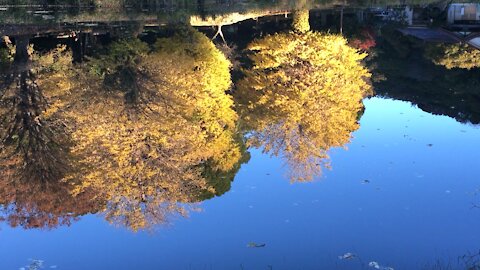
(417, 209)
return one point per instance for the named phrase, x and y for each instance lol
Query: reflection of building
(442, 35)
(463, 26)
(468, 13)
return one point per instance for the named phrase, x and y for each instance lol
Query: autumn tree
(301, 17)
(119, 67)
(28, 135)
(220, 181)
(30, 205)
(453, 55)
(432, 88)
(147, 155)
(302, 96)
(34, 153)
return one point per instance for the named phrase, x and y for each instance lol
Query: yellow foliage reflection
(453, 55)
(302, 96)
(34, 147)
(146, 155)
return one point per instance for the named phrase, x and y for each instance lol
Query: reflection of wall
(464, 13)
(409, 15)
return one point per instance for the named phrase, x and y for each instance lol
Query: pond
(240, 135)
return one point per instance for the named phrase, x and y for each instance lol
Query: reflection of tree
(454, 55)
(146, 156)
(6, 54)
(301, 22)
(302, 96)
(432, 88)
(34, 147)
(31, 205)
(364, 39)
(221, 181)
(120, 69)
(470, 261)
(29, 137)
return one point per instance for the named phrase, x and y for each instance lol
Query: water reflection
(142, 119)
(403, 69)
(302, 96)
(144, 128)
(35, 149)
(163, 120)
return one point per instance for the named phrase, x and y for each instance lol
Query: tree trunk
(301, 22)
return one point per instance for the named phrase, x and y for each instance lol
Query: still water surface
(372, 163)
(416, 209)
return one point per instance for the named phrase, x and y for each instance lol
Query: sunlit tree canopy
(147, 155)
(302, 96)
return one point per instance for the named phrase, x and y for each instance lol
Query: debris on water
(42, 12)
(376, 265)
(255, 245)
(53, 267)
(366, 181)
(429, 145)
(448, 191)
(89, 24)
(347, 256)
(250, 206)
(34, 265)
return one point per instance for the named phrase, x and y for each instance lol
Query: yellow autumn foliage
(454, 56)
(302, 97)
(146, 158)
